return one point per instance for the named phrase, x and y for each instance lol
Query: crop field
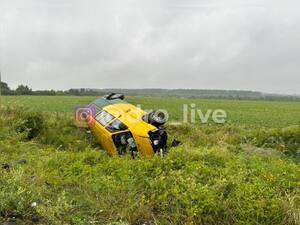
(245, 171)
(248, 113)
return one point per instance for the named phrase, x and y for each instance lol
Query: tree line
(26, 90)
(186, 93)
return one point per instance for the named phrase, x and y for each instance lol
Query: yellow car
(121, 127)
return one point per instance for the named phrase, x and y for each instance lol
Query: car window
(124, 141)
(104, 118)
(116, 126)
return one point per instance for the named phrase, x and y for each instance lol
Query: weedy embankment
(55, 173)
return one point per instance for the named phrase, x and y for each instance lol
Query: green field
(245, 171)
(249, 113)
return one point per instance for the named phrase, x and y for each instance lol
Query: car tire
(114, 96)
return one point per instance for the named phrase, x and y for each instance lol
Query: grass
(248, 113)
(243, 172)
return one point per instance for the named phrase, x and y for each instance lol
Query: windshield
(104, 118)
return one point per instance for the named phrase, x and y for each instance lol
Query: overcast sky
(225, 44)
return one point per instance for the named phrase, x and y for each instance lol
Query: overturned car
(123, 128)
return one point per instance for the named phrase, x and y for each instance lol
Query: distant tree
(23, 90)
(44, 92)
(5, 90)
(60, 93)
(75, 92)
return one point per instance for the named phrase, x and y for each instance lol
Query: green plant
(31, 123)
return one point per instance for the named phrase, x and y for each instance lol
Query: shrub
(31, 123)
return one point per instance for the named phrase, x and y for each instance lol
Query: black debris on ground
(175, 143)
(6, 167)
(35, 218)
(22, 161)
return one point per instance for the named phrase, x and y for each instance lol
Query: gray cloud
(135, 44)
